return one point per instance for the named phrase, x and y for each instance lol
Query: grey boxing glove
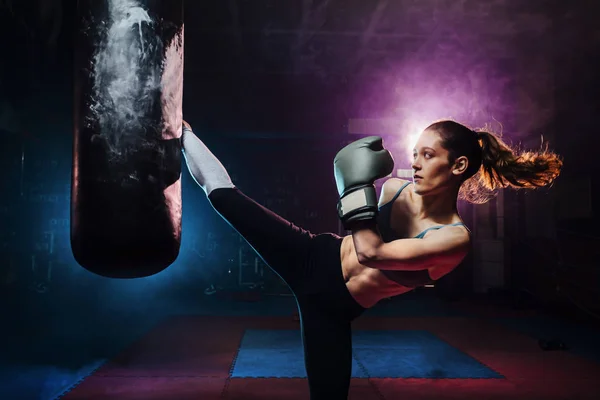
(356, 168)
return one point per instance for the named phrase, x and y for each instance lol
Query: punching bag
(126, 178)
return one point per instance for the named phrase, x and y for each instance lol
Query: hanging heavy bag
(126, 178)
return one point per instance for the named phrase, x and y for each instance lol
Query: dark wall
(272, 85)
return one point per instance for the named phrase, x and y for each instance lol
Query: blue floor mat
(41, 382)
(43, 368)
(377, 354)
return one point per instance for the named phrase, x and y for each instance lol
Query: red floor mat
(191, 357)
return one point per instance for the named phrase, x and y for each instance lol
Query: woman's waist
(369, 287)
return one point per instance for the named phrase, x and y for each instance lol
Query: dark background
(273, 88)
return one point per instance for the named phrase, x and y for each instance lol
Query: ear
(460, 165)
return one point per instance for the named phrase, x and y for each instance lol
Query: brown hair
(493, 164)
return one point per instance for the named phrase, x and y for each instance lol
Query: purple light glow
(445, 77)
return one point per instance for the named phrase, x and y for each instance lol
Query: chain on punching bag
(126, 183)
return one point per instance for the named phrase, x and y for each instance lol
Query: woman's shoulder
(393, 184)
(390, 187)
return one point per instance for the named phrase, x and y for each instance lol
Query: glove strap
(356, 201)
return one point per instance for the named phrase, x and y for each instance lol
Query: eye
(428, 155)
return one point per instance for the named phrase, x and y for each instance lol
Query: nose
(415, 166)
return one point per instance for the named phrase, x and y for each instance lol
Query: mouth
(416, 177)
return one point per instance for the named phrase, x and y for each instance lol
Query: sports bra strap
(398, 192)
(420, 235)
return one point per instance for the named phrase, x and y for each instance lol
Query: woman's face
(432, 172)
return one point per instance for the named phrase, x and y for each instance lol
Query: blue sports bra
(404, 278)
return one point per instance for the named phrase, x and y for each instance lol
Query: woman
(417, 237)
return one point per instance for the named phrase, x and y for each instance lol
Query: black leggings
(310, 265)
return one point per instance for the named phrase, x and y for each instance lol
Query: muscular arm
(446, 246)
